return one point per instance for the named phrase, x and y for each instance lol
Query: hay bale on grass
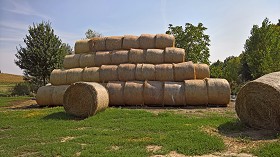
(126, 72)
(91, 74)
(108, 73)
(196, 92)
(58, 77)
(164, 40)
(218, 91)
(258, 102)
(155, 56)
(98, 44)
(74, 75)
(201, 71)
(133, 93)
(174, 94)
(183, 71)
(137, 56)
(174, 55)
(71, 61)
(116, 92)
(145, 72)
(147, 41)
(82, 46)
(58, 93)
(130, 41)
(84, 99)
(119, 57)
(102, 58)
(153, 92)
(44, 95)
(86, 60)
(114, 43)
(164, 72)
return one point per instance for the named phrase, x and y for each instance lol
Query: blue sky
(228, 21)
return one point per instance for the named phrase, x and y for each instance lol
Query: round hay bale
(82, 46)
(164, 40)
(133, 93)
(174, 94)
(153, 92)
(71, 61)
(58, 77)
(130, 41)
(258, 102)
(114, 43)
(116, 92)
(201, 71)
(147, 41)
(84, 99)
(155, 56)
(98, 44)
(126, 72)
(102, 58)
(86, 60)
(44, 95)
(164, 72)
(137, 56)
(119, 57)
(183, 71)
(74, 75)
(196, 92)
(174, 55)
(91, 74)
(108, 73)
(218, 91)
(145, 72)
(57, 94)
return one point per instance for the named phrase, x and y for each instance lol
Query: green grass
(5, 101)
(6, 88)
(268, 150)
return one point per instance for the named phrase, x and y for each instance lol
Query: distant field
(10, 78)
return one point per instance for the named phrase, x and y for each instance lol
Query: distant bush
(20, 89)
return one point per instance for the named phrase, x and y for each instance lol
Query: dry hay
(133, 93)
(82, 46)
(58, 77)
(258, 102)
(71, 61)
(196, 92)
(164, 40)
(44, 95)
(119, 57)
(147, 41)
(126, 72)
(174, 94)
(114, 42)
(130, 41)
(102, 58)
(137, 56)
(174, 55)
(57, 94)
(153, 93)
(116, 92)
(98, 44)
(164, 72)
(84, 99)
(91, 74)
(145, 72)
(218, 91)
(155, 56)
(183, 71)
(201, 71)
(74, 75)
(108, 73)
(86, 60)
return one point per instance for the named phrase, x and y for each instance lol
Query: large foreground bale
(71, 61)
(184, 71)
(155, 56)
(114, 42)
(58, 93)
(130, 41)
(74, 75)
(196, 92)
(116, 92)
(102, 58)
(218, 91)
(174, 93)
(119, 57)
(201, 71)
(133, 93)
(145, 72)
(258, 102)
(86, 60)
(108, 73)
(126, 72)
(137, 56)
(82, 46)
(44, 95)
(84, 99)
(58, 77)
(174, 55)
(98, 44)
(91, 74)
(153, 93)
(164, 40)
(164, 72)
(147, 41)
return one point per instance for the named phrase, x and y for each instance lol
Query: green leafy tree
(90, 34)
(193, 39)
(67, 48)
(44, 52)
(216, 69)
(231, 69)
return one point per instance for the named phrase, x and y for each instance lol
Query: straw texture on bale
(145, 72)
(102, 58)
(201, 71)
(98, 44)
(174, 93)
(130, 41)
(74, 75)
(116, 92)
(155, 56)
(86, 60)
(58, 77)
(84, 99)
(114, 42)
(137, 56)
(58, 93)
(218, 91)
(174, 55)
(119, 57)
(153, 92)
(196, 92)
(147, 41)
(71, 61)
(108, 73)
(82, 46)
(133, 93)
(164, 72)
(258, 102)
(164, 40)
(44, 95)
(91, 74)
(183, 71)
(126, 72)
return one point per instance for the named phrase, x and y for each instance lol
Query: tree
(90, 34)
(67, 48)
(193, 39)
(216, 69)
(44, 52)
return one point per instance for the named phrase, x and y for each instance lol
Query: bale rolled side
(91, 74)
(58, 77)
(86, 60)
(145, 72)
(44, 95)
(155, 56)
(147, 41)
(164, 72)
(130, 41)
(71, 61)
(74, 75)
(116, 92)
(108, 73)
(137, 56)
(164, 40)
(184, 71)
(102, 58)
(153, 93)
(174, 94)
(114, 43)
(57, 94)
(201, 71)
(82, 46)
(119, 57)
(218, 91)
(126, 72)
(196, 92)
(174, 55)
(133, 93)
(98, 44)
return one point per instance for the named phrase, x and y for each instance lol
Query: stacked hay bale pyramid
(137, 70)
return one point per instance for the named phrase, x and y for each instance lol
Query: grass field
(7, 82)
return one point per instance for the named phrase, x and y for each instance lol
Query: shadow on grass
(237, 129)
(61, 116)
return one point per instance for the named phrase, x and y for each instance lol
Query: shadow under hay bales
(61, 116)
(237, 129)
